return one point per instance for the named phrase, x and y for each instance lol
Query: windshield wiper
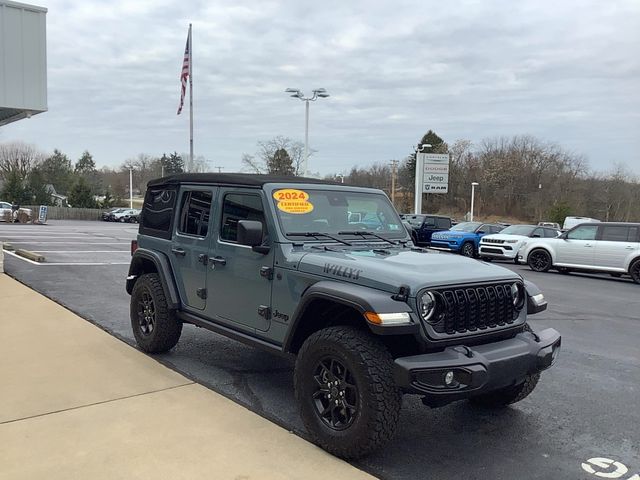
(362, 233)
(316, 235)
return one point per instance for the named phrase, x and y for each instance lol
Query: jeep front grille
(492, 240)
(473, 308)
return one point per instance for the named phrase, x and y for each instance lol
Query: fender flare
(362, 299)
(162, 266)
(533, 290)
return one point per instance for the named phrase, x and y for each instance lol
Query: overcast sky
(564, 71)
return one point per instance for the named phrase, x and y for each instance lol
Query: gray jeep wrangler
(327, 273)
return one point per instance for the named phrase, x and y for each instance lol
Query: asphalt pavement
(582, 418)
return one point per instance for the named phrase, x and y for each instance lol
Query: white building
(23, 61)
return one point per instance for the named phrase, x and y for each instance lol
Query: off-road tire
(468, 250)
(634, 271)
(166, 329)
(378, 399)
(506, 396)
(535, 260)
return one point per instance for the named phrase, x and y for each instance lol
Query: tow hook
(463, 349)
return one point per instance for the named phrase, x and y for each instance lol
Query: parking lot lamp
(317, 93)
(473, 194)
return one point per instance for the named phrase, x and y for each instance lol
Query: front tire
(345, 391)
(155, 327)
(539, 260)
(468, 250)
(507, 396)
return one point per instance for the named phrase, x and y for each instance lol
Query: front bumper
(452, 246)
(493, 251)
(478, 369)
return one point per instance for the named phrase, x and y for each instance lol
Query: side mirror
(481, 232)
(535, 235)
(249, 233)
(563, 235)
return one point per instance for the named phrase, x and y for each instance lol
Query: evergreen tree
(80, 195)
(107, 201)
(85, 164)
(14, 189)
(280, 163)
(58, 171)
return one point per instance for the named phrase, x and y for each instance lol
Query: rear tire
(468, 250)
(155, 327)
(345, 391)
(634, 271)
(539, 260)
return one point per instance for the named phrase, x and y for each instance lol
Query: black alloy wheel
(335, 398)
(146, 313)
(539, 260)
(467, 250)
(634, 271)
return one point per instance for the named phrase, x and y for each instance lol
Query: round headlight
(427, 305)
(517, 295)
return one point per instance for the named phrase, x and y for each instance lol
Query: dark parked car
(281, 263)
(108, 216)
(421, 227)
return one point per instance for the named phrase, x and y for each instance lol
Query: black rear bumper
(476, 370)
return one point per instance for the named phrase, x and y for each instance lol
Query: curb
(36, 257)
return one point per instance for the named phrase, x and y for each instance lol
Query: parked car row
(123, 215)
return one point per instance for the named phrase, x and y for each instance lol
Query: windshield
(466, 227)
(525, 230)
(331, 212)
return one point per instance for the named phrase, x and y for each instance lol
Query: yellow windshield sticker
(293, 201)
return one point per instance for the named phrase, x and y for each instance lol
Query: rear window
(443, 223)
(157, 211)
(619, 233)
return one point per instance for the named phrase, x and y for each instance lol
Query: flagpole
(190, 98)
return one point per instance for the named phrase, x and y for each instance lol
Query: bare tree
(18, 158)
(260, 161)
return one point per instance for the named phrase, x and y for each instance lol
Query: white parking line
(73, 243)
(82, 251)
(69, 264)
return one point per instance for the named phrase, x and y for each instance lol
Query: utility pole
(219, 169)
(394, 171)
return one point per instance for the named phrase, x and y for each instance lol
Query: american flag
(185, 71)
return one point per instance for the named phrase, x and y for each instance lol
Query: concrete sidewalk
(76, 403)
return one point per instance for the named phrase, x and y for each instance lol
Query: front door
(190, 244)
(239, 279)
(578, 248)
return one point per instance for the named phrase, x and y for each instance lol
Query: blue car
(464, 238)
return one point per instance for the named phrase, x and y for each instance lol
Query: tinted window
(159, 203)
(194, 213)
(413, 220)
(442, 223)
(550, 233)
(236, 207)
(537, 233)
(587, 232)
(496, 228)
(518, 230)
(619, 233)
(429, 222)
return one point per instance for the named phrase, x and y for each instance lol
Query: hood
(388, 269)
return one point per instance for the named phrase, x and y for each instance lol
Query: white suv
(505, 245)
(603, 247)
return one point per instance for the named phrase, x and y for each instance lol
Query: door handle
(630, 247)
(179, 252)
(588, 245)
(217, 260)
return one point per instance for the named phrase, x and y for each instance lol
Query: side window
(240, 206)
(550, 233)
(159, 203)
(483, 228)
(633, 234)
(616, 233)
(586, 232)
(429, 222)
(443, 223)
(538, 233)
(194, 213)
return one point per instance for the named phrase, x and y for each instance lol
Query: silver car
(596, 247)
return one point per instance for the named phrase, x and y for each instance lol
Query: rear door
(578, 248)
(190, 244)
(615, 244)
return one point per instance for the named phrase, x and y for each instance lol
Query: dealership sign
(435, 172)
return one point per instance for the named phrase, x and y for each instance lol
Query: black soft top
(247, 179)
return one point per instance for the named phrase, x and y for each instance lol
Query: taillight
(134, 246)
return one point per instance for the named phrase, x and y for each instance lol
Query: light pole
(473, 193)
(417, 201)
(131, 188)
(317, 93)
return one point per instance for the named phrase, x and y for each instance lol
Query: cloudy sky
(565, 71)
